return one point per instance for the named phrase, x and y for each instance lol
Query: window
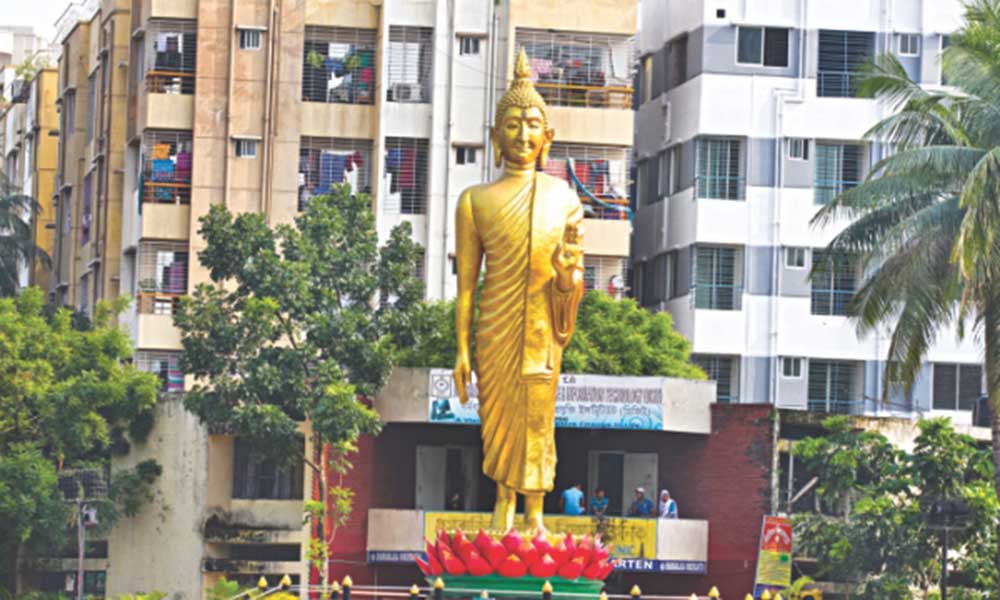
(249, 39)
(677, 52)
(246, 148)
(406, 164)
(716, 285)
(83, 295)
(670, 170)
(605, 273)
(258, 478)
(171, 56)
(167, 159)
(798, 148)
(795, 258)
(833, 283)
(165, 365)
(831, 386)
(468, 44)
(591, 70)
(718, 169)
(647, 79)
(909, 44)
(91, 106)
(162, 276)
(791, 367)
(338, 65)
(87, 216)
(837, 168)
(841, 53)
(724, 370)
(465, 155)
(69, 107)
(601, 170)
(66, 211)
(325, 162)
(945, 42)
(956, 387)
(410, 63)
(589, 278)
(765, 46)
(655, 280)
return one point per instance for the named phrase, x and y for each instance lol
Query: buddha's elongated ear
(543, 156)
(497, 152)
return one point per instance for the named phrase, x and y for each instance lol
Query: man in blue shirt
(571, 501)
(642, 506)
(599, 504)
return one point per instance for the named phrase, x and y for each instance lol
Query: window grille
(162, 276)
(83, 484)
(468, 44)
(834, 281)
(956, 387)
(831, 386)
(719, 169)
(339, 65)
(259, 478)
(165, 365)
(764, 46)
(909, 44)
(841, 53)
(324, 162)
(580, 69)
(677, 50)
(245, 148)
(721, 369)
(405, 188)
(86, 218)
(795, 258)
(167, 158)
(838, 168)
(798, 148)
(606, 274)
(656, 280)
(602, 170)
(465, 155)
(250, 39)
(791, 367)
(171, 56)
(410, 63)
(716, 284)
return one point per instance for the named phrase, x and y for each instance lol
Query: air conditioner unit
(407, 92)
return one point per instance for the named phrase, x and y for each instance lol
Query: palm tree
(926, 222)
(17, 240)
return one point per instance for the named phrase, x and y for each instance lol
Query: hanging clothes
(408, 169)
(184, 161)
(582, 170)
(163, 170)
(160, 151)
(331, 171)
(556, 167)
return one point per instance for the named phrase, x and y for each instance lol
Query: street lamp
(947, 515)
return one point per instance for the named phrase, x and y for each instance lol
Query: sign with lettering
(629, 538)
(582, 401)
(644, 565)
(774, 559)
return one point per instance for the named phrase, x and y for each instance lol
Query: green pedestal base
(497, 586)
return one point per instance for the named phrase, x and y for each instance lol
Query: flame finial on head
(522, 92)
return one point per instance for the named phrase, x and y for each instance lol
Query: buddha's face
(521, 135)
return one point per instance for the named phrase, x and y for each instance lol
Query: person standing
(571, 501)
(641, 506)
(668, 506)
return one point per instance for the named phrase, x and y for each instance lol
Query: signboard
(395, 557)
(680, 567)
(582, 401)
(774, 559)
(630, 538)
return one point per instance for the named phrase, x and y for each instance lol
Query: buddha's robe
(524, 323)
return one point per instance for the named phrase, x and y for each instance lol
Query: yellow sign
(631, 538)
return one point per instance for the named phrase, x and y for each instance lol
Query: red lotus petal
(435, 565)
(512, 566)
(511, 541)
(542, 544)
(572, 569)
(593, 571)
(559, 553)
(452, 564)
(527, 553)
(463, 548)
(570, 544)
(458, 538)
(424, 567)
(543, 567)
(482, 542)
(495, 554)
(607, 570)
(600, 554)
(584, 553)
(477, 565)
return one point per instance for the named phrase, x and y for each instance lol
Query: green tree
(869, 525)
(298, 322)
(17, 240)
(926, 222)
(67, 399)
(613, 337)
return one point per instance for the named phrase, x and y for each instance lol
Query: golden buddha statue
(528, 226)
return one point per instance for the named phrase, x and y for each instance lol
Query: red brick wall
(723, 478)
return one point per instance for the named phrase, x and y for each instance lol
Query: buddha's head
(521, 136)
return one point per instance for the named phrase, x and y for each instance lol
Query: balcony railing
(719, 187)
(830, 302)
(837, 84)
(158, 303)
(825, 190)
(585, 96)
(836, 407)
(170, 82)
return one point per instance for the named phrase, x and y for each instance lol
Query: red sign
(777, 535)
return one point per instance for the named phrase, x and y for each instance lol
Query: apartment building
(29, 136)
(748, 125)
(17, 44)
(260, 105)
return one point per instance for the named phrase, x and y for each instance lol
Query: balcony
(678, 546)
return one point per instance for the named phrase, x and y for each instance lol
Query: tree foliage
(17, 240)
(68, 398)
(870, 524)
(612, 337)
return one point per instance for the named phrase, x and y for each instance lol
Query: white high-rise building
(748, 123)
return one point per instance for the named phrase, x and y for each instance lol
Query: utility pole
(79, 487)
(81, 540)
(944, 516)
